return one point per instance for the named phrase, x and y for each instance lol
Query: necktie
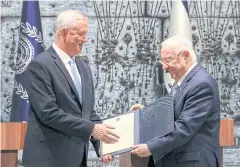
(76, 80)
(174, 88)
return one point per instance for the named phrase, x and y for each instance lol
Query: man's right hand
(104, 133)
(136, 107)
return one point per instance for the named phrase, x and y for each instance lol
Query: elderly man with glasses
(195, 139)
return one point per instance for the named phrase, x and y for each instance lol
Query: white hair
(67, 19)
(178, 44)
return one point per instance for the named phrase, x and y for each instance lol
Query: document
(124, 127)
(141, 126)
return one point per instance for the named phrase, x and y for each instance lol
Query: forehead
(166, 53)
(81, 25)
(82, 21)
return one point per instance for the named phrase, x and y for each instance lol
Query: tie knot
(71, 62)
(174, 89)
(175, 86)
(172, 86)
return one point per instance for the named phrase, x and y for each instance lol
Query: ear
(186, 56)
(63, 32)
(186, 53)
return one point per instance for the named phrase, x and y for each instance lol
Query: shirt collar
(182, 78)
(63, 56)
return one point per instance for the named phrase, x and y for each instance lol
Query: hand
(106, 159)
(141, 150)
(136, 107)
(104, 133)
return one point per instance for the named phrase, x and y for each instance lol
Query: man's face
(174, 63)
(76, 37)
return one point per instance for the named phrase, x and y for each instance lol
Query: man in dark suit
(62, 119)
(195, 140)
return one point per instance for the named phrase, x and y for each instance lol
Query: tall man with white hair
(195, 139)
(62, 119)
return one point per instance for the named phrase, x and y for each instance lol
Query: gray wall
(123, 46)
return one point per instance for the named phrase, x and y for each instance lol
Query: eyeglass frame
(170, 59)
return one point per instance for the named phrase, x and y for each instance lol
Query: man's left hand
(141, 150)
(106, 159)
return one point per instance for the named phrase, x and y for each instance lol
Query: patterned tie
(76, 80)
(174, 88)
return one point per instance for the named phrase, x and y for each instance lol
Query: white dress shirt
(182, 78)
(65, 59)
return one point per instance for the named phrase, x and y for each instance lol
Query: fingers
(107, 158)
(135, 149)
(105, 134)
(136, 107)
(109, 126)
(111, 133)
(110, 139)
(132, 108)
(137, 152)
(135, 146)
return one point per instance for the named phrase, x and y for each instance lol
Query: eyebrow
(81, 30)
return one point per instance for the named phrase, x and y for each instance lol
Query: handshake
(105, 134)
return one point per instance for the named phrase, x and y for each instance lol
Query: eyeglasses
(170, 59)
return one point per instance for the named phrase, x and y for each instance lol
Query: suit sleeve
(43, 101)
(94, 118)
(196, 110)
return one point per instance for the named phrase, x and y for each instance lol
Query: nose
(84, 39)
(164, 66)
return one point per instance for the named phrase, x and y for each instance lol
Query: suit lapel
(63, 69)
(187, 79)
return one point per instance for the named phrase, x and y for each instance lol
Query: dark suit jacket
(59, 126)
(195, 140)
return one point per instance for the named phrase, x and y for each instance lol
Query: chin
(78, 50)
(80, 47)
(173, 76)
(75, 53)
